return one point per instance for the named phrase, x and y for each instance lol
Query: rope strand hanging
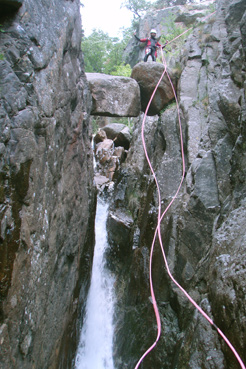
(158, 230)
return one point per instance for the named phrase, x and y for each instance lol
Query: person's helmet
(153, 31)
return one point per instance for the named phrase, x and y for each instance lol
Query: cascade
(95, 348)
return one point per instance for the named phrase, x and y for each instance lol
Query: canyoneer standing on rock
(152, 45)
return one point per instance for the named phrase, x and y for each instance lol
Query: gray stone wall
(46, 183)
(204, 231)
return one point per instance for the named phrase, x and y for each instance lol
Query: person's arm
(165, 44)
(140, 39)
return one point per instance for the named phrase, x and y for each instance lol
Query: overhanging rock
(147, 75)
(113, 95)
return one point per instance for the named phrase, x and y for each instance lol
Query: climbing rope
(158, 228)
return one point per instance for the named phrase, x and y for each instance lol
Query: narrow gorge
(50, 191)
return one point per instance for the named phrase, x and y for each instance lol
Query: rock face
(46, 189)
(119, 226)
(163, 21)
(148, 75)
(204, 231)
(114, 96)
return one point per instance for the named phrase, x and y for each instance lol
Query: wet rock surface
(204, 231)
(110, 146)
(46, 185)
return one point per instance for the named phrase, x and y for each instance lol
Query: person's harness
(152, 43)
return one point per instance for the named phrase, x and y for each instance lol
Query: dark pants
(151, 53)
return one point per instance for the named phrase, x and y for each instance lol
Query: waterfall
(95, 349)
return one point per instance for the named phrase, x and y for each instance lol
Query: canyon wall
(47, 198)
(204, 231)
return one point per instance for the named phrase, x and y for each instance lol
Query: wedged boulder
(113, 129)
(147, 75)
(117, 132)
(113, 95)
(120, 133)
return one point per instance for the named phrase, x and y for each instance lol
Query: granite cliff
(47, 197)
(204, 231)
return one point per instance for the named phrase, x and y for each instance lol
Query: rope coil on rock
(158, 229)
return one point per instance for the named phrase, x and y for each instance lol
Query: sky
(106, 15)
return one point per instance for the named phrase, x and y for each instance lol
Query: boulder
(120, 153)
(104, 150)
(124, 138)
(147, 75)
(117, 132)
(108, 158)
(100, 136)
(113, 95)
(113, 129)
(107, 163)
(100, 180)
(120, 133)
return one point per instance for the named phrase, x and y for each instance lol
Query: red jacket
(150, 42)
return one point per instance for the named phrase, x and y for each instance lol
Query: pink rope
(158, 231)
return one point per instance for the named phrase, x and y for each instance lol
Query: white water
(95, 349)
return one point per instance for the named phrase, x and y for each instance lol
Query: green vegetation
(137, 7)
(171, 105)
(95, 125)
(103, 54)
(174, 30)
(212, 8)
(129, 122)
(122, 70)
